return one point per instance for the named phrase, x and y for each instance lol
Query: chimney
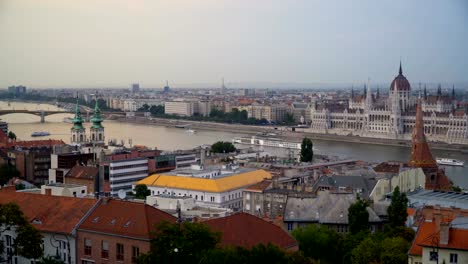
(48, 192)
(444, 233)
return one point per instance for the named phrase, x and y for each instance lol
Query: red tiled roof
(428, 233)
(425, 230)
(83, 172)
(125, 218)
(36, 143)
(56, 213)
(246, 230)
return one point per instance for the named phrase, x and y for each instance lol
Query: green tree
(307, 151)
(223, 147)
(11, 135)
(184, 243)
(157, 110)
(28, 242)
(397, 211)
(289, 119)
(358, 217)
(7, 172)
(394, 251)
(141, 191)
(368, 251)
(144, 108)
(319, 243)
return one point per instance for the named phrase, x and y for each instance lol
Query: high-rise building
(135, 88)
(167, 89)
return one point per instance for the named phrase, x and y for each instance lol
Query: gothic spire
(453, 91)
(400, 71)
(421, 155)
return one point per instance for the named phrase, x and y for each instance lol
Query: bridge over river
(44, 113)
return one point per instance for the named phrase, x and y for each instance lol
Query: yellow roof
(223, 184)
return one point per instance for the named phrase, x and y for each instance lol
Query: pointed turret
(421, 155)
(352, 92)
(425, 92)
(368, 96)
(400, 71)
(453, 92)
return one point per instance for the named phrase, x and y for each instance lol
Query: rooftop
(82, 172)
(442, 198)
(124, 218)
(246, 230)
(234, 181)
(50, 213)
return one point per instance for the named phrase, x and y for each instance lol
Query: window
(247, 207)
(247, 196)
(290, 226)
(453, 258)
(433, 256)
(87, 248)
(120, 252)
(135, 253)
(105, 249)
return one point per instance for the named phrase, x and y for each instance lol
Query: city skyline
(54, 44)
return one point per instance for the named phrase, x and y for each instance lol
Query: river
(168, 138)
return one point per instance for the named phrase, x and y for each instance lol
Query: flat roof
(442, 198)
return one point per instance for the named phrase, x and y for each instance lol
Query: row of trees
(223, 147)
(360, 246)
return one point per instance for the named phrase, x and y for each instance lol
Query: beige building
(179, 108)
(275, 113)
(407, 180)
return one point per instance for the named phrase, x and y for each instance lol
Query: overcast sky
(112, 43)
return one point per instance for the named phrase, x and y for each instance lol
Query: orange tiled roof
(56, 213)
(125, 218)
(246, 230)
(457, 238)
(410, 211)
(425, 230)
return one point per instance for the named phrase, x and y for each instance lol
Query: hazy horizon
(113, 43)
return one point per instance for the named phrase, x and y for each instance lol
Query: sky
(113, 43)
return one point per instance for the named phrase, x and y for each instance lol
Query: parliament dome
(400, 82)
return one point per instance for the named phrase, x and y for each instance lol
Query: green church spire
(97, 119)
(77, 120)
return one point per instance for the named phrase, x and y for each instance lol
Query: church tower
(97, 130)
(78, 132)
(421, 156)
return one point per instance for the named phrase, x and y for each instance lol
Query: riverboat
(40, 134)
(450, 162)
(266, 142)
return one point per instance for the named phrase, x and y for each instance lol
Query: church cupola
(97, 130)
(78, 132)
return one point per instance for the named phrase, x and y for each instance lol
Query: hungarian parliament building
(393, 116)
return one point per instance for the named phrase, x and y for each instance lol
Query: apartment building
(179, 108)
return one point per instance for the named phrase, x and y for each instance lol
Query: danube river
(168, 138)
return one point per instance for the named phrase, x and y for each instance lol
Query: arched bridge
(43, 113)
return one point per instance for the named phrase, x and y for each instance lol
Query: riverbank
(289, 135)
